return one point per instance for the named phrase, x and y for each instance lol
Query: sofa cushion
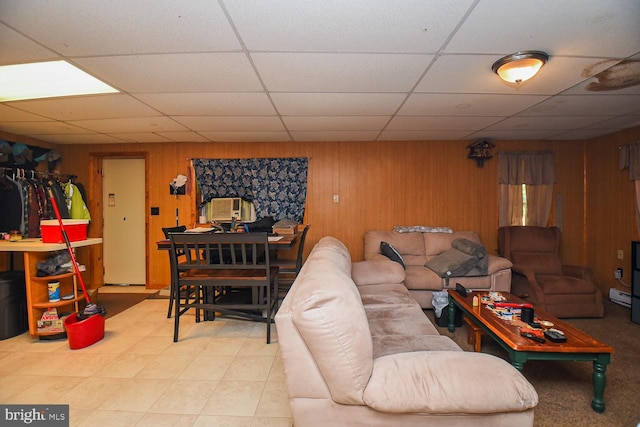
(452, 382)
(384, 345)
(421, 278)
(410, 245)
(398, 320)
(539, 262)
(565, 285)
(376, 272)
(392, 253)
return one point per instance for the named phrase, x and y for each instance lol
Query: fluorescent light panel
(47, 80)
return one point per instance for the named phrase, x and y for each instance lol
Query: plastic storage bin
(76, 230)
(443, 320)
(83, 333)
(13, 304)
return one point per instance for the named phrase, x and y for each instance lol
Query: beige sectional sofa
(418, 248)
(359, 351)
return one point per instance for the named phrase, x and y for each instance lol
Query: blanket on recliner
(465, 258)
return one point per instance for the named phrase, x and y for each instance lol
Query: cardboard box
(76, 230)
(50, 322)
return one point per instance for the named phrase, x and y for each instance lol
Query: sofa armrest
(447, 382)
(497, 263)
(536, 291)
(375, 272)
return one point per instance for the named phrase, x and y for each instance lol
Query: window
(525, 187)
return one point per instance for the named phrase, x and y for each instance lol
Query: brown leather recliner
(538, 272)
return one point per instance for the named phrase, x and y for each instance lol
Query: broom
(90, 309)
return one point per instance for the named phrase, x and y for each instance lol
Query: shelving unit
(35, 251)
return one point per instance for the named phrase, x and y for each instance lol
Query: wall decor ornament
(480, 151)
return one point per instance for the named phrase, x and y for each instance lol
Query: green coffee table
(578, 347)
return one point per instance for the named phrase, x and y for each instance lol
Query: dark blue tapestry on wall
(277, 186)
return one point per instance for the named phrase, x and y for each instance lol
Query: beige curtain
(630, 159)
(537, 171)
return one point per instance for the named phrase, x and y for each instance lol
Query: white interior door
(124, 221)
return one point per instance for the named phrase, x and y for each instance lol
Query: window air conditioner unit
(228, 208)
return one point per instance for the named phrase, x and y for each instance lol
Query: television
(228, 208)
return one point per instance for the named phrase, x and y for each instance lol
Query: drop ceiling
(297, 70)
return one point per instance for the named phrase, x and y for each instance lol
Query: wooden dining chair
(290, 267)
(216, 268)
(166, 231)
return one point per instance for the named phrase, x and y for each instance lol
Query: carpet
(565, 389)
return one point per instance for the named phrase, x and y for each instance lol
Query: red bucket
(83, 333)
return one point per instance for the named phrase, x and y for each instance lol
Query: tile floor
(220, 373)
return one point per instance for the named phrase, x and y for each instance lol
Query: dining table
(277, 242)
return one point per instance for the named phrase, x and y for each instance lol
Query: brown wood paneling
(382, 184)
(610, 209)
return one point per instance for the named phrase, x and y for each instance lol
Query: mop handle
(69, 249)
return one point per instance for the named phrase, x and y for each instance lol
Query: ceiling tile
(520, 134)
(190, 72)
(545, 123)
(287, 72)
(585, 105)
(78, 27)
(333, 123)
(577, 134)
(16, 48)
(82, 138)
(10, 114)
(441, 104)
(246, 136)
(472, 74)
(183, 136)
(440, 122)
(231, 123)
(413, 26)
(131, 124)
(334, 135)
(569, 28)
(422, 135)
(141, 137)
(210, 104)
(87, 107)
(328, 104)
(40, 128)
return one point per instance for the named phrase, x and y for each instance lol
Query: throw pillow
(469, 247)
(392, 253)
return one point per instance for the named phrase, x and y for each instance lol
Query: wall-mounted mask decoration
(480, 151)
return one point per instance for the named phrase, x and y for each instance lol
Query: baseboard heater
(620, 297)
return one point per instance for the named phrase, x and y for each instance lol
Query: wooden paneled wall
(383, 184)
(610, 209)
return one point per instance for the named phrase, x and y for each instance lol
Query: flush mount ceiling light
(520, 66)
(47, 80)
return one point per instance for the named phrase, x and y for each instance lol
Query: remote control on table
(532, 337)
(555, 336)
